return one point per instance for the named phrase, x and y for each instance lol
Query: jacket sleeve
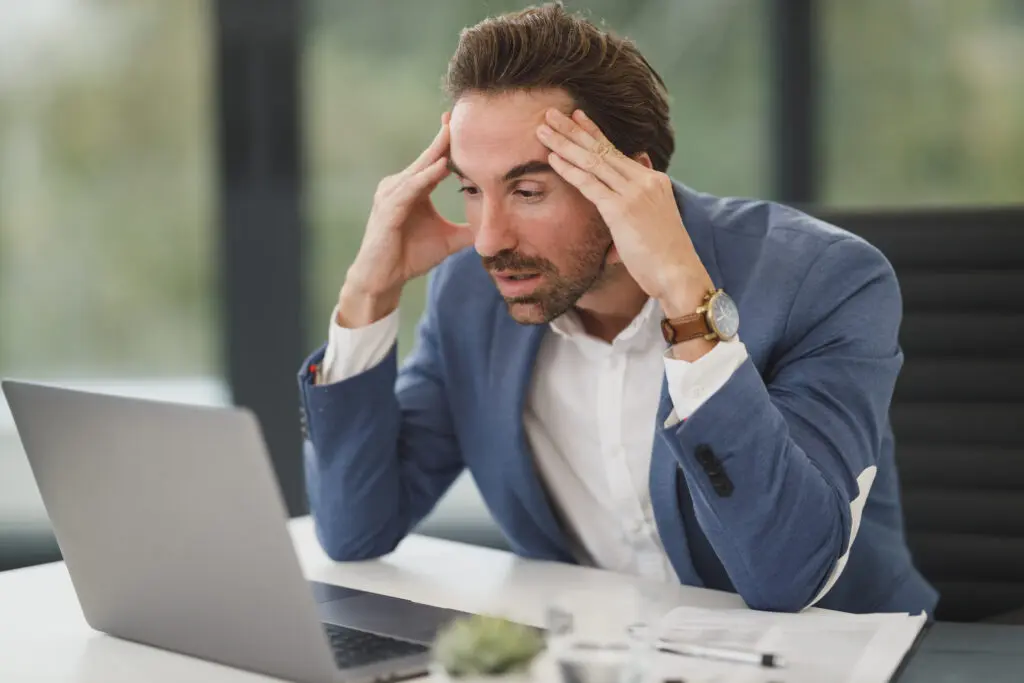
(779, 467)
(379, 449)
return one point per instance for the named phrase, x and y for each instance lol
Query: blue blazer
(752, 493)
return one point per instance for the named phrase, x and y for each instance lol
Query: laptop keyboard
(354, 648)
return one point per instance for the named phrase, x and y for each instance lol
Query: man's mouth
(516, 284)
(515, 277)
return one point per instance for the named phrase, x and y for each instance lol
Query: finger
(583, 158)
(424, 181)
(616, 159)
(437, 147)
(587, 183)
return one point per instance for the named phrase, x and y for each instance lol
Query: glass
(603, 635)
(106, 201)
(923, 103)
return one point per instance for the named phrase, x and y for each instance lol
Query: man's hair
(547, 47)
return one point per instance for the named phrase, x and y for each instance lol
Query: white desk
(44, 637)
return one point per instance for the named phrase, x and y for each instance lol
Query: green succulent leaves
(486, 646)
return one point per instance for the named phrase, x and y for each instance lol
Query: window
(923, 103)
(106, 191)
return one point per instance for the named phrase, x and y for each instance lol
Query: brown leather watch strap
(679, 330)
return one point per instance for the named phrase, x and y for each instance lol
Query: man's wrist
(686, 293)
(359, 307)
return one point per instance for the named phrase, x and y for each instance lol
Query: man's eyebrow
(529, 167)
(455, 169)
(535, 166)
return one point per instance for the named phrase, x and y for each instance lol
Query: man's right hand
(405, 237)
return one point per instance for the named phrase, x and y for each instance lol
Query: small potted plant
(486, 648)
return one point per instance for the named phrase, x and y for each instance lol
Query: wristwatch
(716, 319)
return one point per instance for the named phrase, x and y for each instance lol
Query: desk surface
(44, 637)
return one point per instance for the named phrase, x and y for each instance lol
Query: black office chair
(958, 410)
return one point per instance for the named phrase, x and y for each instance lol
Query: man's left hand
(637, 204)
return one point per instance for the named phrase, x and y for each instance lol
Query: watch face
(725, 317)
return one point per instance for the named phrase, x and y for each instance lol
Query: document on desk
(815, 645)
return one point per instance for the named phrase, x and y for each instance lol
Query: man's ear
(644, 159)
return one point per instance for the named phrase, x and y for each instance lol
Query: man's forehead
(492, 133)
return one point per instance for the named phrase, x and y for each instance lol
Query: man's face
(543, 242)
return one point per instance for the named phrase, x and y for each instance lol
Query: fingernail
(544, 130)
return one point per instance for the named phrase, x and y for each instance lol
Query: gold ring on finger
(603, 149)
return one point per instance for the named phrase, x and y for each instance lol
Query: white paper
(816, 645)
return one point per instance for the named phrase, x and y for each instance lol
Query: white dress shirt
(589, 419)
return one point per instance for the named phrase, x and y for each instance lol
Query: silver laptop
(172, 525)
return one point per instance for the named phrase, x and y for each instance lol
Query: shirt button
(696, 391)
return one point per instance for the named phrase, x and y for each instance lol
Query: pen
(765, 659)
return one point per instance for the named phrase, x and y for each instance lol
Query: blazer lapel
(515, 348)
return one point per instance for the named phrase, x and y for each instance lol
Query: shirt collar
(640, 332)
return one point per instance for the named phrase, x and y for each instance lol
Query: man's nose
(495, 233)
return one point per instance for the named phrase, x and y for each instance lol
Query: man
(582, 358)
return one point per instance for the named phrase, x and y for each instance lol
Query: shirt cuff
(351, 351)
(691, 384)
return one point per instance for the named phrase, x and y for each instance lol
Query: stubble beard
(587, 272)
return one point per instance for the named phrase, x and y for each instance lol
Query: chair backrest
(958, 410)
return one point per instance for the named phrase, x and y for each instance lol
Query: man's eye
(529, 194)
(465, 189)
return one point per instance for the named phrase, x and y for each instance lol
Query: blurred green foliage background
(107, 156)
